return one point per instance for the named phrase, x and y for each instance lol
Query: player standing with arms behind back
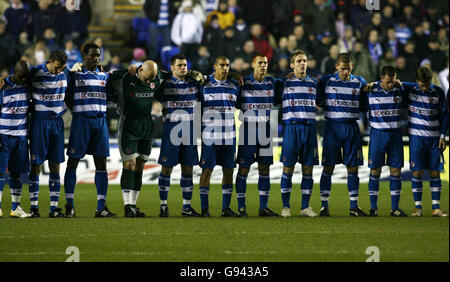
(340, 96)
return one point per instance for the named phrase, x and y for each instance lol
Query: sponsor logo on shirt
(56, 97)
(93, 95)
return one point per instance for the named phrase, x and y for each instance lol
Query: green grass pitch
(253, 239)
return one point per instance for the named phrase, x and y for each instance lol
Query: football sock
(187, 186)
(417, 186)
(374, 187)
(101, 182)
(286, 188)
(325, 189)
(2, 185)
(70, 178)
(55, 188)
(264, 190)
(137, 187)
(127, 184)
(353, 187)
(227, 191)
(306, 187)
(241, 189)
(395, 184)
(164, 185)
(33, 189)
(204, 193)
(16, 190)
(435, 188)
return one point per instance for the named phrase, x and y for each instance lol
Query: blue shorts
(223, 155)
(250, 149)
(14, 154)
(184, 153)
(299, 145)
(47, 140)
(382, 143)
(424, 153)
(342, 144)
(88, 136)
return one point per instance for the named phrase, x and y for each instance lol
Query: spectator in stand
(412, 61)
(347, 43)
(359, 17)
(139, 57)
(18, 17)
(392, 43)
(105, 56)
(321, 46)
(187, 31)
(403, 74)
(261, 42)
(282, 68)
(75, 23)
(313, 68)
(435, 55)
(291, 45)
(240, 66)
(443, 78)
(328, 64)
(225, 17)
(388, 20)
(242, 31)
(233, 7)
(364, 65)
(73, 54)
(4, 4)
(248, 51)
(340, 26)
(442, 37)
(420, 40)
(408, 18)
(38, 53)
(257, 11)
(281, 19)
(376, 23)
(435, 76)
(202, 61)
(374, 46)
(212, 35)
(114, 64)
(161, 14)
(396, 9)
(388, 59)
(197, 9)
(43, 18)
(209, 6)
(230, 47)
(319, 17)
(402, 32)
(51, 40)
(302, 40)
(282, 48)
(22, 45)
(7, 47)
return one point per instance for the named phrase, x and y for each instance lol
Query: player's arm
(68, 99)
(237, 77)
(443, 119)
(196, 76)
(278, 89)
(321, 86)
(118, 74)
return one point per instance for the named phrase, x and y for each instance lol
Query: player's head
(57, 62)
(388, 77)
(221, 67)
(91, 56)
(299, 63)
(178, 66)
(21, 72)
(344, 65)
(423, 78)
(148, 71)
(260, 65)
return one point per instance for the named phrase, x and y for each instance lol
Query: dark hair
(258, 55)
(59, 56)
(220, 58)
(389, 71)
(424, 75)
(177, 57)
(296, 53)
(89, 46)
(345, 58)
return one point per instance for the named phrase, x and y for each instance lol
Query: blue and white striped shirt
(179, 99)
(428, 114)
(14, 102)
(48, 92)
(384, 107)
(257, 99)
(218, 107)
(163, 19)
(90, 92)
(299, 100)
(340, 99)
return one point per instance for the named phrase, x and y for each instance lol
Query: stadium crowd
(404, 34)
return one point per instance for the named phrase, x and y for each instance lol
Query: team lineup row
(33, 100)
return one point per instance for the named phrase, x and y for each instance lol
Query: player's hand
(100, 67)
(132, 69)
(77, 67)
(2, 82)
(442, 144)
(237, 77)
(368, 87)
(197, 76)
(290, 75)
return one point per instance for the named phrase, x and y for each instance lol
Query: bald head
(21, 72)
(148, 71)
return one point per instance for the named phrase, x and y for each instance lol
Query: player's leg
(5, 153)
(290, 151)
(241, 189)
(377, 154)
(187, 187)
(164, 186)
(436, 188)
(127, 184)
(138, 172)
(264, 188)
(55, 189)
(308, 158)
(227, 192)
(395, 185)
(374, 187)
(204, 191)
(70, 179)
(101, 183)
(307, 187)
(417, 187)
(417, 160)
